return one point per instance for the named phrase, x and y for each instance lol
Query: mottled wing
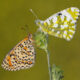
(22, 56)
(62, 24)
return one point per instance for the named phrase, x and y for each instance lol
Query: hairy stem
(49, 67)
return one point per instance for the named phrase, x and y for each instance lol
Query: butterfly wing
(61, 24)
(22, 56)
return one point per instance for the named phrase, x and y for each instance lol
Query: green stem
(49, 67)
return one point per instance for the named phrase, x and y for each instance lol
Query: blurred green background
(15, 14)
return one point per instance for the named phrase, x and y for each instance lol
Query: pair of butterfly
(61, 24)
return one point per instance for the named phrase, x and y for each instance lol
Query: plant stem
(49, 67)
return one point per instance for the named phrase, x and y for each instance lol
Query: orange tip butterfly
(61, 24)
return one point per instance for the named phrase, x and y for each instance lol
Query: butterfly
(61, 24)
(22, 56)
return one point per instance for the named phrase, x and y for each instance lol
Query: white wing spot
(70, 36)
(72, 31)
(64, 36)
(73, 26)
(48, 22)
(62, 17)
(65, 32)
(58, 32)
(52, 29)
(62, 27)
(55, 25)
(55, 19)
(68, 39)
(77, 10)
(65, 26)
(73, 21)
(68, 18)
(72, 9)
(65, 13)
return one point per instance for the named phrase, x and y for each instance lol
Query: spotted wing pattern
(61, 24)
(22, 56)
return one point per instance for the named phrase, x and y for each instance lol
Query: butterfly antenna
(33, 13)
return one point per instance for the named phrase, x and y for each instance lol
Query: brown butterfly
(22, 56)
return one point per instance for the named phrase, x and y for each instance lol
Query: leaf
(57, 73)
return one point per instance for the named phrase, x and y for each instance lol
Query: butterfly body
(22, 56)
(61, 24)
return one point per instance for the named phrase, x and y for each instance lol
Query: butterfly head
(38, 22)
(29, 36)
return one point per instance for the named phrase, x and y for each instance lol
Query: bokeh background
(15, 14)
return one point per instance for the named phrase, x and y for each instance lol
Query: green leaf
(57, 73)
